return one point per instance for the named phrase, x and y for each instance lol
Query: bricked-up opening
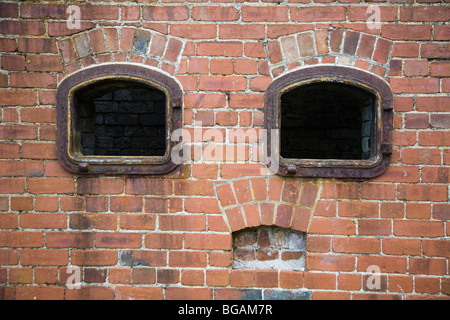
(269, 247)
(120, 118)
(327, 120)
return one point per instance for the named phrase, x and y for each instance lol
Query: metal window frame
(329, 168)
(132, 165)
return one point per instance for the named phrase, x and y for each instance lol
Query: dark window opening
(327, 120)
(120, 118)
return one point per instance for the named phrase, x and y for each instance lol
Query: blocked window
(269, 247)
(118, 119)
(329, 121)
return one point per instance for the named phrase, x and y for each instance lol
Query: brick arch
(120, 44)
(335, 46)
(270, 201)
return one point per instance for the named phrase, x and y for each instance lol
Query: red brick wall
(170, 237)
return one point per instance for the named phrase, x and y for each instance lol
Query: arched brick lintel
(255, 201)
(335, 46)
(120, 44)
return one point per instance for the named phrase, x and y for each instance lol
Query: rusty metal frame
(132, 165)
(330, 168)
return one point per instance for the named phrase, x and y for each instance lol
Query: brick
(356, 245)
(194, 31)
(405, 50)
(126, 204)
(250, 101)
(422, 192)
(378, 191)
(340, 190)
(306, 44)
(94, 221)
(441, 211)
(190, 259)
(387, 264)
(235, 218)
(12, 185)
(182, 223)
(427, 266)
(21, 168)
(254, 50)
(436, 248)
(207, 100)
(421, 156)
(99, 186)
(358, 209)
(47, 203)
(13, 62)
(435, 50)
(220, 48)
(245, 66)
(222, 83)
(163, 241)
(9, 45)
(69, 239)
(351, 42)
(414, 85)
(137, 221)
(118, 240)
(33, 80)
(439, 69)
(417, 228)
(321, 14)
(50, 257)
(46, 275)
(9, 10)
(144, 275)
(180, 293)
(419, 14)
(401, 246)
(335, 226)
(21, 239)
(43, 221)
(94, 275)
(266, 14)
(406, 32)
(434, 138)
(39, 293)
(435, 174)
(328, 262)
(266, 278)
(274, 51)
(215, 13)
(130, 13)
(238, 31)
(415, 68)
(23, 27)
(140, 186)
(319, 280)
(172, 13)
(138, 293)
(50, 185)
(90, 293)
(417, 121)
(441, 32)
(94, 257)
(17, 98)
(363, 13)
(433, 104)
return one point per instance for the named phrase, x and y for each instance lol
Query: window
(329, 121)
(118, 119)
